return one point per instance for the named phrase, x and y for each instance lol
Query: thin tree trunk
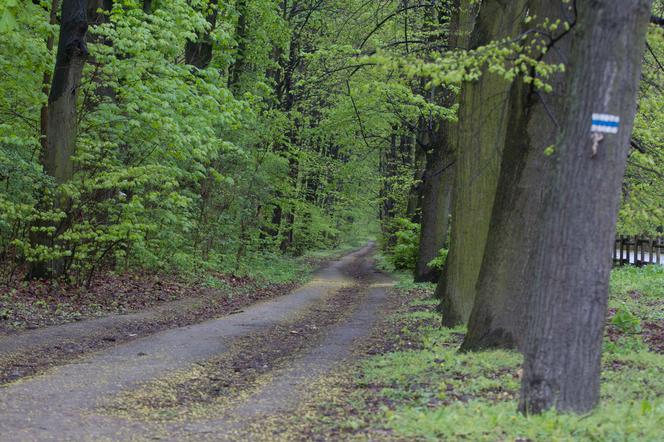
(198, 53)
(573, 262)
(241, 39)
(388, 204)
(499, 314)
(46, 82)
(483, 116)
(438, 178)
(437, 191)
(414, 206)
(288, 218)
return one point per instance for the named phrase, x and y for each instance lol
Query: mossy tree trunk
(569, 295)
(499, 314)
(483, 115)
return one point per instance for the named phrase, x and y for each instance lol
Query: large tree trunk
(569, 297)
(60, 143)
(483, 115)
(499, 314)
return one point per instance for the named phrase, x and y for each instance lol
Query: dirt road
(212, 381)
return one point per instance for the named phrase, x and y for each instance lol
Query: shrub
(404, 254)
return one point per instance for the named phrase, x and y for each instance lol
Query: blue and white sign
(605, 123)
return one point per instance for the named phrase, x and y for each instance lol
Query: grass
(427, 390)
(639, 290)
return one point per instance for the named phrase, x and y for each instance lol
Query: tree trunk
(241, 38)
(288, 218)
(483, 115)
(70, 59)
(97, 15)
(60, 144)
(388, 159)
(414, 204)
(498, 318)
(198, 53)
(573, 262)
(438, 178)
(437, 187)
(94, 6)
(46, 81)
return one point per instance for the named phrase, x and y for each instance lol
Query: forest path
(80, 401)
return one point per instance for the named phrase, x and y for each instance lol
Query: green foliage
(638, 290)
(439, 261)
(293, 138)
(177, 168)
(626, 321)
(642, 210)
(404, 254)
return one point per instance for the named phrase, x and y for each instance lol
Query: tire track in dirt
(63, 404)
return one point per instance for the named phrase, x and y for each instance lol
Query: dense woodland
(181, 136)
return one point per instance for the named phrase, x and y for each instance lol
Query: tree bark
(61, 122)
(70, 59)
(388, 159)
(499, 315)
(437, 187)
(418, 159)
(46, 81)
(573, 261)
(481, 133)
(438, 178)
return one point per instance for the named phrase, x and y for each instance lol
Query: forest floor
(347, 356)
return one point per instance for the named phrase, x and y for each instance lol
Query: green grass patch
(638, 291)
(437, 393)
